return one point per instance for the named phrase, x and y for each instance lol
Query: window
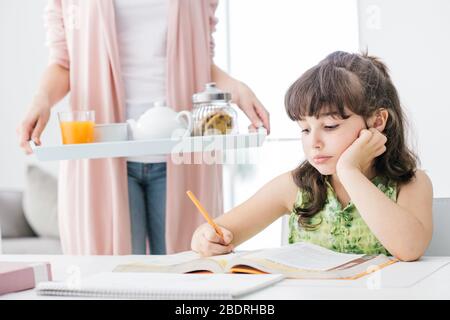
(268, 44)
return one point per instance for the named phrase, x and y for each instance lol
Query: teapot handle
(188, 116)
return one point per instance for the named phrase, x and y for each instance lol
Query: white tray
(149, 147)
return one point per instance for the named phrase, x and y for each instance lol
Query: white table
(434, 286)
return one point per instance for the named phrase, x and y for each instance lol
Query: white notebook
(127, 285)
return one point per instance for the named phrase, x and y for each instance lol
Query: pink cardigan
(92, 196)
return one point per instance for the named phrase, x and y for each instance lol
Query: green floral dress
(340, 229)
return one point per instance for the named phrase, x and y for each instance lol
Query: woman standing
(118, 57)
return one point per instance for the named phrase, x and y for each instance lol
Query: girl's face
(325, 138)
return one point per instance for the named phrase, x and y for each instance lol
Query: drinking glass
(77, 126)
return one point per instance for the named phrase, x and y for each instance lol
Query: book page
(172, 259)
(305, 256)
(187, 261)
(225, 259)
(159, 263)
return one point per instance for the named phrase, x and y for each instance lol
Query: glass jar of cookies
(213, 113)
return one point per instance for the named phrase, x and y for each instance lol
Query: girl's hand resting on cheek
(360, 154)
(207, 242)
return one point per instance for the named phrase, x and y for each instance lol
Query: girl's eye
(305, 131)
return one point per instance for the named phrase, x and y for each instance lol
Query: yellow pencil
(205, 213)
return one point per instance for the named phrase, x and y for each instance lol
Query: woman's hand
(207, 242)
(54, 86)
(34, 123)
(361, 153)
(244, 97)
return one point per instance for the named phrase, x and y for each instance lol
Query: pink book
(18, 276)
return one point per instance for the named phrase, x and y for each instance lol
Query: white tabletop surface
(428, 278)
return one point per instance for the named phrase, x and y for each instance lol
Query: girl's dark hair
(362, 84)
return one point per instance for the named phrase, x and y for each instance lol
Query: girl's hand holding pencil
(207, 242)
(210, 239)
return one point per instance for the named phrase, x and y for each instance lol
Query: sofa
(28, 218)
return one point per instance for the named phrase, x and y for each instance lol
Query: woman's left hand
(361, 153)
(244, 97)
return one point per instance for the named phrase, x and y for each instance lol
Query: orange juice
(77, 131)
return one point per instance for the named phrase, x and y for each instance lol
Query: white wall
(412, 37)
(23, 57)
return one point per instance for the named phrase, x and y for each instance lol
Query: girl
(358, 191)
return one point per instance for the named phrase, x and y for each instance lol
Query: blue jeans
(147, 196)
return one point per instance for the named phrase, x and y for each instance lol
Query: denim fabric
(147, 196)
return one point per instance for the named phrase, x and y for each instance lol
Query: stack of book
(19, 276)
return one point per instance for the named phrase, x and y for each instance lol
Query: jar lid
(211, 94)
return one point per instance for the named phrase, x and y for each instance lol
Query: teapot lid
(211, 94)
(160, 103)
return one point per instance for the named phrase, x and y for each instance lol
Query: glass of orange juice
(77, 126)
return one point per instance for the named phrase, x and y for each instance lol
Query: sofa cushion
(34, 245)
(13, 223)
(40, 202)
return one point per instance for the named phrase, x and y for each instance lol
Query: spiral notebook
(125, 285)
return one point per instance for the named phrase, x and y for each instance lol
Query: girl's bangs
(324, 90)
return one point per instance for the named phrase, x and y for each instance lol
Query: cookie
(217, 123)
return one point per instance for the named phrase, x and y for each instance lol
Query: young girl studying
(359, 189)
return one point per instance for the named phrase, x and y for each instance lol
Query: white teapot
(161, 122)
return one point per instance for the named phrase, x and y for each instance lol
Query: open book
(299, 260)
